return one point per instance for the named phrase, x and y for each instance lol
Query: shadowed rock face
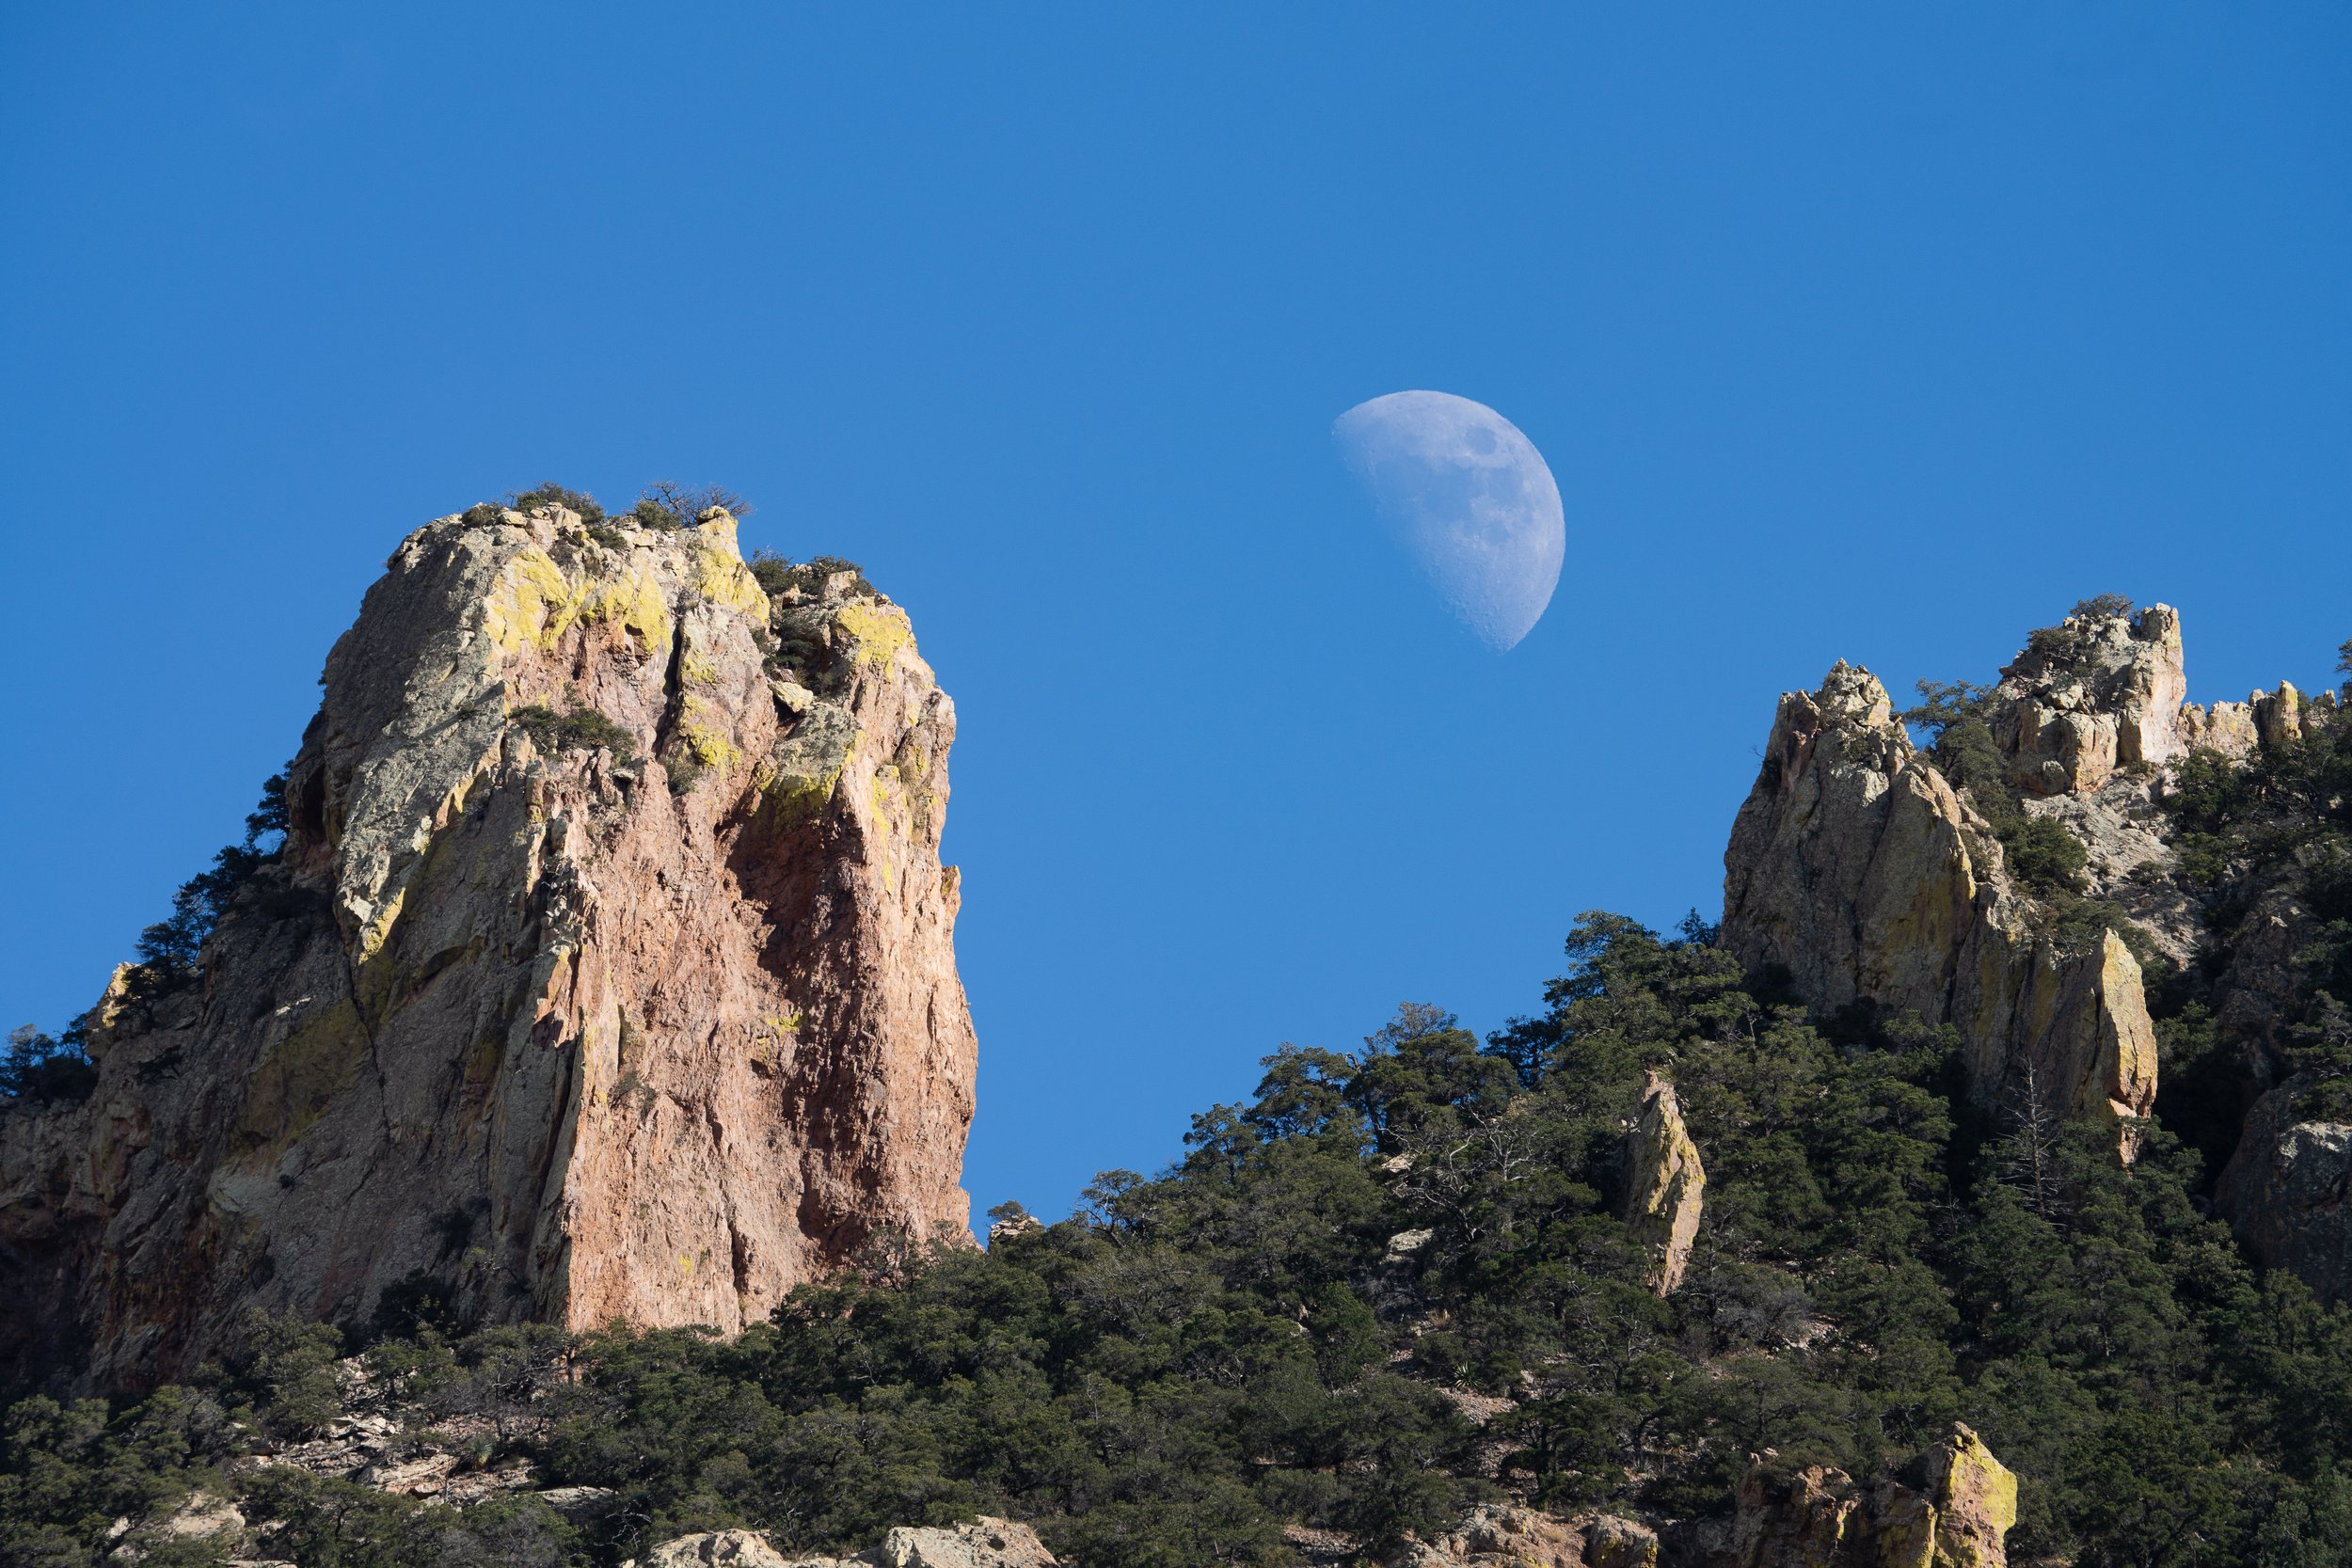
(516, 1020)
(2285, 1192)
(1855, 868)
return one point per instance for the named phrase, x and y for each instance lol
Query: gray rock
(2284, 1191)
(581, 1503)
(1856, 867)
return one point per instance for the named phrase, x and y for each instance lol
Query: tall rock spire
(606, 973)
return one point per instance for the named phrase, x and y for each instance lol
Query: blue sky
(1848, 330)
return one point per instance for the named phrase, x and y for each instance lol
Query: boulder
(202, 1516)
(1800, 1519)
(1503, 1535)
(725, 1549)
(1613, 1543)
(1818, 1517)
(1975, 1498)
(2283, 1192)
(1499, 1535)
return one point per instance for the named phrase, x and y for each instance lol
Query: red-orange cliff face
(649, 1019)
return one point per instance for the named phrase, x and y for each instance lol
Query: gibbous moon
(1471, 500)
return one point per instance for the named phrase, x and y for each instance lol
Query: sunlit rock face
(608, 973)
(2107, 694)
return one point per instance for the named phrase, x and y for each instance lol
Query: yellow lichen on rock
(2128, 1036)
(1976, 1502)
(532, 603)
(879, 630)
(637, 603)
(706, 735)
(1905, 1536)
(378, 928)
(721, 577)
(879, 792)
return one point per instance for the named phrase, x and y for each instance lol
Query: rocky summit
(2015, 879)
(606, 973)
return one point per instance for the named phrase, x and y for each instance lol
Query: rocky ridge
(606, 973)
(1857, 870)
(1870, 881)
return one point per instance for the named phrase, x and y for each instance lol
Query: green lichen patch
(797, 783)
(298, 1079)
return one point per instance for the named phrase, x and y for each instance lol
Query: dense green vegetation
(1197, 1358)
(778, 576)
(169, 949)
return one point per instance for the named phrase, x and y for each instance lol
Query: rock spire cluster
(1856, 869)
(1867, 880)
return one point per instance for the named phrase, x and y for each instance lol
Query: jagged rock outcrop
(987, 1542)
(606, 973)
(1666, 1185)
(1857, 870)
(1953, 1509)
(2105, 693)
(1502, 1535)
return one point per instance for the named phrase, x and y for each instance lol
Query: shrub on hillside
(665, 505)
(553, 494)
(579, 725)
